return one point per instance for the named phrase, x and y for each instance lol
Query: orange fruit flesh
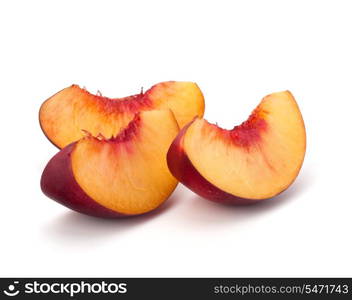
(257, 159)
(185, 99)
(67, 113)
(128, 173)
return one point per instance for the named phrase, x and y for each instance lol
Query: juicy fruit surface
(128, 173)
(67, 113)
(257, 159)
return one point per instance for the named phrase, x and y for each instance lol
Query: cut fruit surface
(64, 115)
(120, 176)
(254, 161)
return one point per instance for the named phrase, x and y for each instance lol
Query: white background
(237, 51)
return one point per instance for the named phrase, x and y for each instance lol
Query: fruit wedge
(64, 115)
(254, 161)
(120, 176)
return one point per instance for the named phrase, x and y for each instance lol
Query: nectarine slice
(64, 115)
(254, 161)
(120, 176)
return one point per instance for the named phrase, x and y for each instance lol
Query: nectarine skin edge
(254, 161)
(66, 191)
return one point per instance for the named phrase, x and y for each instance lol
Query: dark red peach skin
(66, 190)
(183, 170)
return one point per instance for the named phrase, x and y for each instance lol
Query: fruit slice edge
(58, 183)
(256, 160)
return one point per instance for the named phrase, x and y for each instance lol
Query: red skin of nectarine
(181, 167)
(66, 191)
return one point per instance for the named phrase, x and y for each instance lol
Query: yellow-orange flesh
(73, 109)
(128, 173)
(256, 160)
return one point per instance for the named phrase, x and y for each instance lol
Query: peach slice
(254, 161)
(63, 116)
(121, 176)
